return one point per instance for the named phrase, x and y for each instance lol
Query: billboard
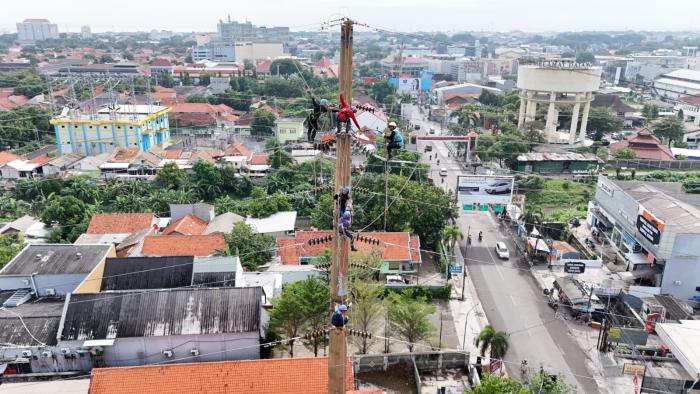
(409, 85)
(649, 226)
(479, 189)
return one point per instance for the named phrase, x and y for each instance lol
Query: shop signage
(634, 369)
(649, 226)
(574, 267)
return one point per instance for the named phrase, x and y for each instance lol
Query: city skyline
(404, 15)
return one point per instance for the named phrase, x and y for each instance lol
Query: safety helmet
(342, 308)
(346, 215)
(346, 189)
(392, 124)
(324, 102)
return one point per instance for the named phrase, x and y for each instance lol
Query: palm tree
(496, 340)
(533, 216)
(450, 235)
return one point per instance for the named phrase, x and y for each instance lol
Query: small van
(443, 171)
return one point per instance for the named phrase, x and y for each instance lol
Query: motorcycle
(480, 236)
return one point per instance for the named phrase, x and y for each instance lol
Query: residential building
(62, 164)
(204, 212)
(223, 224)
(49, 270)
(238, 156)
(28, 335)
(33, 230)
(277, 225)
(179, 324)
(552, 162)
(677, 84)
(617, 107)
(371, 120)
(139, 273)
(161, 65)
(183, 245)
(126, 126)
(645, 146)
(18, 169)
(655, 227)
(186, 225)
(289, 130)
(690, 105)
(201, 115)
(258, 166)
(129, 163)
(120, 223)
(399, 251)
(30, 31)
(271, 376)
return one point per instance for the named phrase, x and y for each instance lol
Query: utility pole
(464, 268)
(337, 359)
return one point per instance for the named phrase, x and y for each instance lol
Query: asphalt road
(511, 298)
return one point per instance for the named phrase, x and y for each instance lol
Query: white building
(463, 88)
(258, 50)
(677, 84)
(32, 30)
(276, 225)
(85, 32)
(690, 105)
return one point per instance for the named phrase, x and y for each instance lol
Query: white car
(498, 187)
(502, 250)
(443, 171)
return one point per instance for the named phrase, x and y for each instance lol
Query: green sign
(468, 207)
(614, 333)
(498, 208)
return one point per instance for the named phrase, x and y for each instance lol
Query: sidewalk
(469, 310)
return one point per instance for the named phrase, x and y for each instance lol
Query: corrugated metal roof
(134, 273)
(56, 259)
(42, 319)
(554, 156)
(162, 313)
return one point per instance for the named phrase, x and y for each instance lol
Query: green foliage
(409, 317)
(285, 67)
(490, 99)
(625, 153)
(585, 57)
(261, 205)
(171, 176)
(381, 90)
(427, 292)
(670, 129)
(366, 307)
(25, 83)
(263, 123)
(493, 384)
(106, 58)
(280, 87)
(20, 126)
(559, 198)
(603, 121)
(302, 307)
(10, 245)
(650, 112)
(255, 249)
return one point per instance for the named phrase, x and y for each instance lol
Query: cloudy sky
(402, 15)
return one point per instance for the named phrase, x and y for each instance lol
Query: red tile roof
(40, 159)
(6, 157)
(263, 66)
(272, 376)
(186, 225)
(172, 154)
(124, 155)
(119, 223)
(695, 99)
(392, 246)
(160, 62)
(182, 245)
(645, 146)
(259, 159)
(237, 150)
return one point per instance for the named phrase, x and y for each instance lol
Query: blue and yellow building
(127, 126)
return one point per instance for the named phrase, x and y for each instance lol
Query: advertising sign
(409, 85)
(455, 269)
(478, 189)
(575, 267)
(633, 369)
(649, 226)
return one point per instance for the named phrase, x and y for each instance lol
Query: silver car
(502, 250)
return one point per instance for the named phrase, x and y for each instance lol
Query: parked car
(428, 148)
(502, 250)
(432, 130)
(498, 187)
(395, 280)
(443, 171)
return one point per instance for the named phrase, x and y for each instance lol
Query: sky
(395, 15)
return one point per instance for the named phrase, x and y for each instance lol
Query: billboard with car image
(483, 189)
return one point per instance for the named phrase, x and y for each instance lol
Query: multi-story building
(677, 84)
(257, 50)
(230, 31)
(85, 32)
(32, 30)
(128, 126)
(655, 227)
(220, 51)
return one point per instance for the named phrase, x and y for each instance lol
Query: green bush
(442, 293)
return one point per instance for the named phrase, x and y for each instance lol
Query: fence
(655, 164)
